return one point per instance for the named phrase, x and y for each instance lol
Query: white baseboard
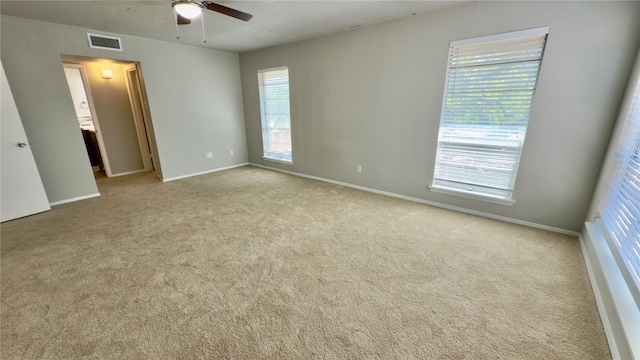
(426, 202)
(74, 199)
(203, 172)
(128, 173)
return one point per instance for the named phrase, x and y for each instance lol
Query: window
(276, 116)
(620, 207)
(485, 111)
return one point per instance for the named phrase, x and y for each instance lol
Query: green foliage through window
(275, 113)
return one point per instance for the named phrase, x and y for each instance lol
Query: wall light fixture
(107, 74)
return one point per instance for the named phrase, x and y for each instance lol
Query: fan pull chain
(177, 29)
(204, 37)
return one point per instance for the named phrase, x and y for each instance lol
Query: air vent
(104, 42)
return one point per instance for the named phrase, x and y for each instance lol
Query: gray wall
(113, 110)
(372, 96)
(194, 96)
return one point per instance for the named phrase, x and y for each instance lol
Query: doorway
(87, 120)
(113, 115)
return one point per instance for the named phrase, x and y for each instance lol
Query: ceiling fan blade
(183, 20)
(227, 11)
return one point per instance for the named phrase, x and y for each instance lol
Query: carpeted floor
(254, 264)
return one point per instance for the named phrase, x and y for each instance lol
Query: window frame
(615, 211)
(265, 128)
(475, 191)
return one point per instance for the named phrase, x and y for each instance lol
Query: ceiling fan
(188, 10)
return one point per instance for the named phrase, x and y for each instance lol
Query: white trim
(606, 323)
(278, 161)
(471, 195)
(503, 36)
(614, 247)
(273, 69)
(84, 197)
(621, 312)
(431, 203)
(203, 172)
(128, 173)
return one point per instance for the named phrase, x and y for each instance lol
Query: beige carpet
(254, 264)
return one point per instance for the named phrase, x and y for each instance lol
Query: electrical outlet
(208, 155)
(359, 168)
(231, 152)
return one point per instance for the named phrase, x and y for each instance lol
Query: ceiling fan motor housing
(188, 9)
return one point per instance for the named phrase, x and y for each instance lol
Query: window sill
(472, 195)
(278, 161)
(618, 310)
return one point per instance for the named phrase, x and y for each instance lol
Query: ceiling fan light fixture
(187, 9)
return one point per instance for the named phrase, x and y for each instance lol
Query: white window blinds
(273, 86)
(485, 111)
(620, 208)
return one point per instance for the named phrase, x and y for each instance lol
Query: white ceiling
(273, 23)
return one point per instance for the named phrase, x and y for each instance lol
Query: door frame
(139, 116)
(148, 121)
(94, 116)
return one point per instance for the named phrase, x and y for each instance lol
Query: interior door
(76, 75)
(135, 99)
(21, 189)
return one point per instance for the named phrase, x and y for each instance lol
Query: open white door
(76, 75)
(136, 100)
(21, 189)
